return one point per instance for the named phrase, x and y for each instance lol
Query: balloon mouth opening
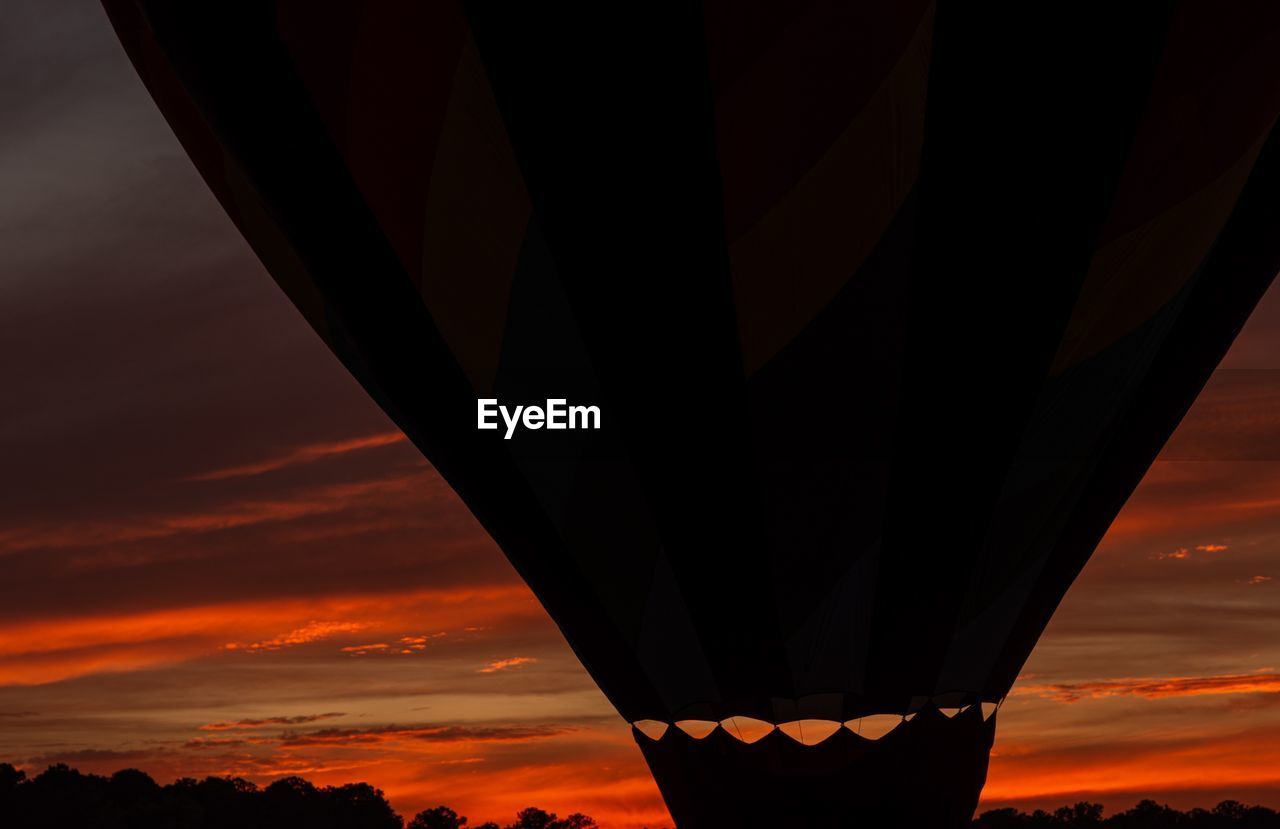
(812, 732)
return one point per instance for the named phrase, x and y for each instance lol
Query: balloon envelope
(885, 307)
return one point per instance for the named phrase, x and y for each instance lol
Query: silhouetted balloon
(886, 307)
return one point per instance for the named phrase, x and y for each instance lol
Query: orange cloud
(301, 719)
(427, 733)
(1158, 688)
(1121, 770)
(46, 650)
(303, 454)
(321, 500)
(1183, 552)
(310, 632)
(416, 641)
(506, 664)
(311, 502)
(608, 781)
(215, 742)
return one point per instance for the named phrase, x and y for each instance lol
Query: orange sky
(220, 558)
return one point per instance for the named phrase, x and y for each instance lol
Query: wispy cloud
(1154, 688)
(46, 650)
(92, 756)
(263, 722)
(1185, 552)
(427, 733)
(310, 632)
(303, 454)
(507, 664)
(216, 742)
(310, 502)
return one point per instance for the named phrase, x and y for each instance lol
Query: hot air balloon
(886, 308)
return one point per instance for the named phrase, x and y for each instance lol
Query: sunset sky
(217, 556)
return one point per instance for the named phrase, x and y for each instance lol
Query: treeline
(1146, 815)
(62, 798)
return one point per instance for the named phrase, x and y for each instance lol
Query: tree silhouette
(534, 818)
(1080, 815)
(439, 817)
(1147, 814)
(360, 805)
(61, 797)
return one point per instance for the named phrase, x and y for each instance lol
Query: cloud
(507, 664)
(1185, 553)
(1235, 418)
(234, 514)
(426, 733)
(1259, 579)
(1117, 765)
(93, 757)
(421, 640)
(298, 719)
(1150, 688)
(303, 454)
(46, 650)
(214, 742)
(311, 632)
